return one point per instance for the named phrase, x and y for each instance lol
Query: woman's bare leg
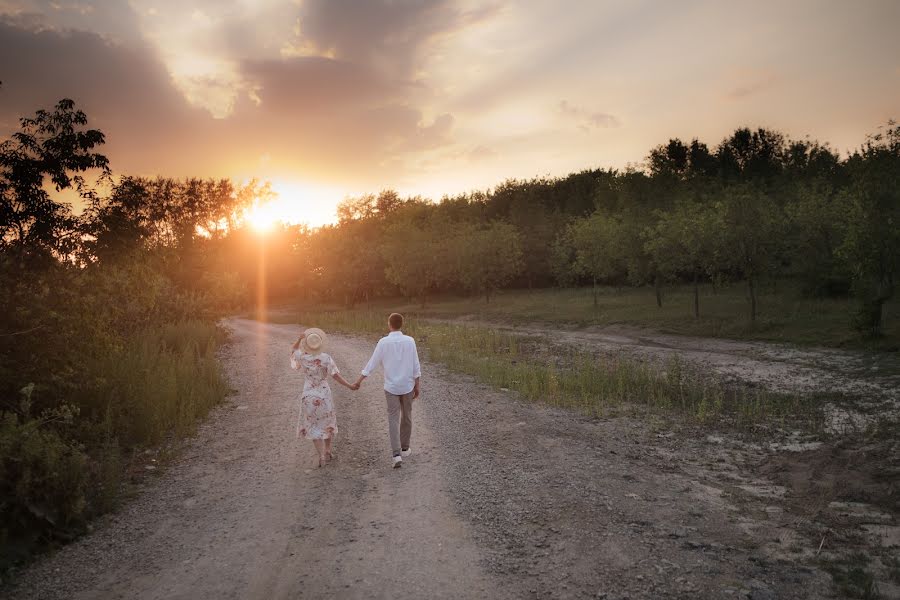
(320, 449)
(328, 453)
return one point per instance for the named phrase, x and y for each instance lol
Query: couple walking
(398, 356)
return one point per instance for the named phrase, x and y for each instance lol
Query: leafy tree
(488, 257)
(816, 215)
(51, 145)
(753, 231)
(597, 242)
(685, 240)
(747, 154)
(418, 256)
(872, 244)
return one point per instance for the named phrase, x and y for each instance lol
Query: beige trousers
(399, 409)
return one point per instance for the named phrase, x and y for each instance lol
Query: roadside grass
(785, 315)
(593, 384)
(161, 385)
(63, 466)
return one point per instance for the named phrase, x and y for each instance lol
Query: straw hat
(314, 340)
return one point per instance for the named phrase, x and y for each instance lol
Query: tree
(817, 217)
(52, 145)
(488, 257)
(872, 244)
(753, 231)
(596, 241)
(684, 241)
(417, 255)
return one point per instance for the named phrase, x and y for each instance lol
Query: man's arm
(417, 372)
(372, 364)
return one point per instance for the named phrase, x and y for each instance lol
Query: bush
(43, 483)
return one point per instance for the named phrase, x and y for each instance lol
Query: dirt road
(501, 499)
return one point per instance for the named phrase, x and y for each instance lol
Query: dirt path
(501, 499)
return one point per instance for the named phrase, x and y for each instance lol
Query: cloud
(353, 107)
(745, 83)
(586, 119)
(389, 35)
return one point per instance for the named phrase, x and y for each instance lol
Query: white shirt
(397, 354)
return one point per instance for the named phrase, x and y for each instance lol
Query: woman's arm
(296, 345)
(344, 382)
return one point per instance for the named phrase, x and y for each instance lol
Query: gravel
(501, 499)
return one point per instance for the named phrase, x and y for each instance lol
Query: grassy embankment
(593, 384)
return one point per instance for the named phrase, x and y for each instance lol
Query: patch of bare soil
(844, 470)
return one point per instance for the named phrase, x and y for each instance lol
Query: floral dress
(317, 420)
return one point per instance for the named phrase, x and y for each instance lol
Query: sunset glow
(329, 99)
(262, 217)
(294, 204)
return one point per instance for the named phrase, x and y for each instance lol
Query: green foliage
(872, 243)
(107, 342)
(686, 240)
(817, 227)
(55, 146)
(758, 208)
(597, 242)
(419, 256)
(488, 257)
(44, 476)
(752, 235)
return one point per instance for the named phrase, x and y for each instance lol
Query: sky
(330, 98)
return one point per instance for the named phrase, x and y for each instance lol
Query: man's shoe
(398, 462)
(405, 453)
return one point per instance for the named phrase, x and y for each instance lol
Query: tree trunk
(696, 296)
(751, 286)
(657, 287)
(595, 292)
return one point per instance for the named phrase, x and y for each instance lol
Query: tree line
(756, 208)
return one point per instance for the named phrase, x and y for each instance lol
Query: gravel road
(500, 499)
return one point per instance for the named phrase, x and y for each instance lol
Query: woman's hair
(396, 320)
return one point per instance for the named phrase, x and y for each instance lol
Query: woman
(317, 421)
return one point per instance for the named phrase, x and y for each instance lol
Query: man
(397, 353)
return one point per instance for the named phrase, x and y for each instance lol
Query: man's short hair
(396, 320)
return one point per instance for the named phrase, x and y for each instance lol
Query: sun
(293, 203)
(262, 217)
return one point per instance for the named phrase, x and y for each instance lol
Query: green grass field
(785, 316)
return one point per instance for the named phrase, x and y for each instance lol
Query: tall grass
(60, 467)
(161, 383)
(591, 383)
